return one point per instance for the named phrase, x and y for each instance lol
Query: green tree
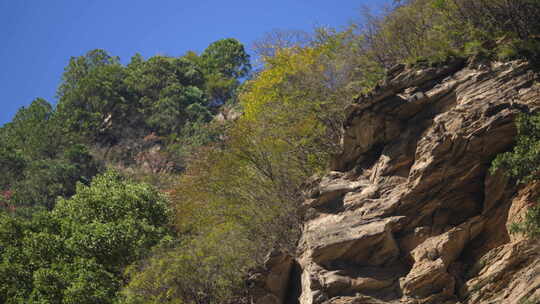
(99, 107)
(39, 159)
(224, 63)
(113, 220)
(82, 281)
(79, 67)
(30, 127)
(23, 250)
(77, 252)
(12, 164)
(165, 87)
(43, 181)
(227, 57)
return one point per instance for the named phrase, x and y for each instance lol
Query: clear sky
(37, 37)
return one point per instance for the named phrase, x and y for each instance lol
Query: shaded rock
(269, 285)
(328, 194)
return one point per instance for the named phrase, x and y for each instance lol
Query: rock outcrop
(410, 213)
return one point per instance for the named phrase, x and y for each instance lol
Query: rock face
(269, 285)
(409, 213)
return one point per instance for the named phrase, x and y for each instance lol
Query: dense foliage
(435, 30)
(230, 147)
(107, 102)
(40, 161)
(76, 253)
(67, 233)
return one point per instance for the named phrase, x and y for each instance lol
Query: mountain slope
(410, 213)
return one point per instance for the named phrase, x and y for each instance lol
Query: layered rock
(409, 213)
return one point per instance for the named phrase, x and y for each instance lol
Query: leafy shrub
(204, 269)
(523, 164)
(530, 224)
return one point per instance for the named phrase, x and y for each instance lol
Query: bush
(523, 164)
(530, 224)
(203, 269)
(438, 29)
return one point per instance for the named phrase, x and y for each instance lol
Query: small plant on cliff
(530, 225)
(522, 164)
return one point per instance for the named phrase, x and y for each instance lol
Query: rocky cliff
(409, 212)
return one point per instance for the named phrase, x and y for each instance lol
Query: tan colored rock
(279, 266)
(410, 213)
(354, 300)
(507, 274)
(432, 259)
(346, 238)
(328, 194)
(269, 285)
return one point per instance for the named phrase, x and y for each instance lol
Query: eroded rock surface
(409, 213)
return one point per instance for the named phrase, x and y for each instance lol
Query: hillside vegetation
(136, 189)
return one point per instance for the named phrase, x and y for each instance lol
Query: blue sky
(38, 37)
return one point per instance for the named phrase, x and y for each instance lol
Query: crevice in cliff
(467, 205)
(369, 158)
(294, 286)
(331, 206)
(497, 192)
(496, 203)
